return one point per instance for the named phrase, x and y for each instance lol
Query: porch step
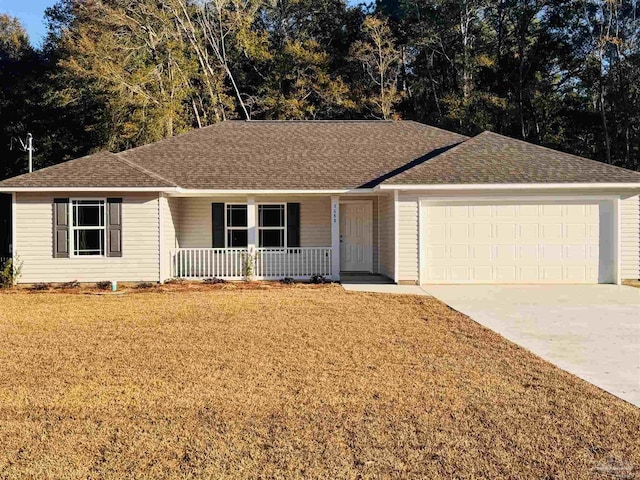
(364, 279)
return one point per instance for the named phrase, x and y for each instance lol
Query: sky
(31, 14)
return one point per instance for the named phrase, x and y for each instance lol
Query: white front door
(356, 237)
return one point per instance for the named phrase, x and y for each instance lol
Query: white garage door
(511, 243)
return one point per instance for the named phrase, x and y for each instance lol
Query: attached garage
(518, 241)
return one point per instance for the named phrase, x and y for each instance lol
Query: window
(88, 227)
(237, 226)
(272, 226)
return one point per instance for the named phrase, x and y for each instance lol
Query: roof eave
(215, 192)
(514, 186)
(7, 189)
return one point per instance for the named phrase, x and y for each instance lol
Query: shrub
(214, 281)
(72, 285)
(174, 281)
(105, 285)
(144, 286)
(39, 287)
(288, 281)
(248, 265)
(10, 272)
(319, 279)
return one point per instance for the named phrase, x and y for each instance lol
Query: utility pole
(27, 147)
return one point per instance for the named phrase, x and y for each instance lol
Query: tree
(380, 60)
(133, 51)
(20, 89)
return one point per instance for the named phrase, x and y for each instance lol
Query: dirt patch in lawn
(288, 383)
(171, 286)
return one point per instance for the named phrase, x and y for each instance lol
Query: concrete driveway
(592, 331)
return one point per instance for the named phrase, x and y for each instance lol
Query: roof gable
(490, 158)
(100, 170)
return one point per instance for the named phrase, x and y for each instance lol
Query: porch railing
(260, 263)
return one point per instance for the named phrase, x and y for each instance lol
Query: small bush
(10, 272)
(214, 281)
(106, 285)
(72, 285)
(319, 279)
(175, 281)
(39, 287)
(288, 281)
(144, 286)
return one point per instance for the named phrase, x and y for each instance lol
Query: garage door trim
(496, 200)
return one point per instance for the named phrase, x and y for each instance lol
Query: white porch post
(335, 239)
(251, 224)
(14, 230)
(162, 253)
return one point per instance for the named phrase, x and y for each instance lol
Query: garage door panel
(511, 243)
(481, 232)
(552, 210)
(529, 274)
(457, 252)
(576, 232)
(505, 232)
(529, 232)
(481, 253)
(528, 253)
(482, 274)
(576, 253)
(459, 231)
(551, 232)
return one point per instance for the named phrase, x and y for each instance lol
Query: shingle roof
(323, 155)
(490, 158)
(101, 169)
(290, 155)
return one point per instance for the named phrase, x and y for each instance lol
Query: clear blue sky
(31, 14)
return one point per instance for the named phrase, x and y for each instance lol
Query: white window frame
(73, 228)
(227, 228)
(283, 228)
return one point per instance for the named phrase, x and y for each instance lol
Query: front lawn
(293, 382)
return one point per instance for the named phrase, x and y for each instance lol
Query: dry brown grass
(632, 283)
(287, 383)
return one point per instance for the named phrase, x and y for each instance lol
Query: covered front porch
(270, 237)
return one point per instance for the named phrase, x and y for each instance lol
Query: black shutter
(60, 227)
(217, 223)
(114, 227)
(293, 225)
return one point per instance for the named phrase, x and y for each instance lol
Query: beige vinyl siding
(386, 236)
(408, 238)
(170, 217)
(630, 238)
(194, 226)
(171, 222)
(140, 236)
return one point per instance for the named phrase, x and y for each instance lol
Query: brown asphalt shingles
(324, 155)
(490, 158)
(101, 169)
(290, 155)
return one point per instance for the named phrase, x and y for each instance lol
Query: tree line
(115, 74)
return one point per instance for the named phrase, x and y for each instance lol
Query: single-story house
(279, 199)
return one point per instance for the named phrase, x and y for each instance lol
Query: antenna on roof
(26, 147)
